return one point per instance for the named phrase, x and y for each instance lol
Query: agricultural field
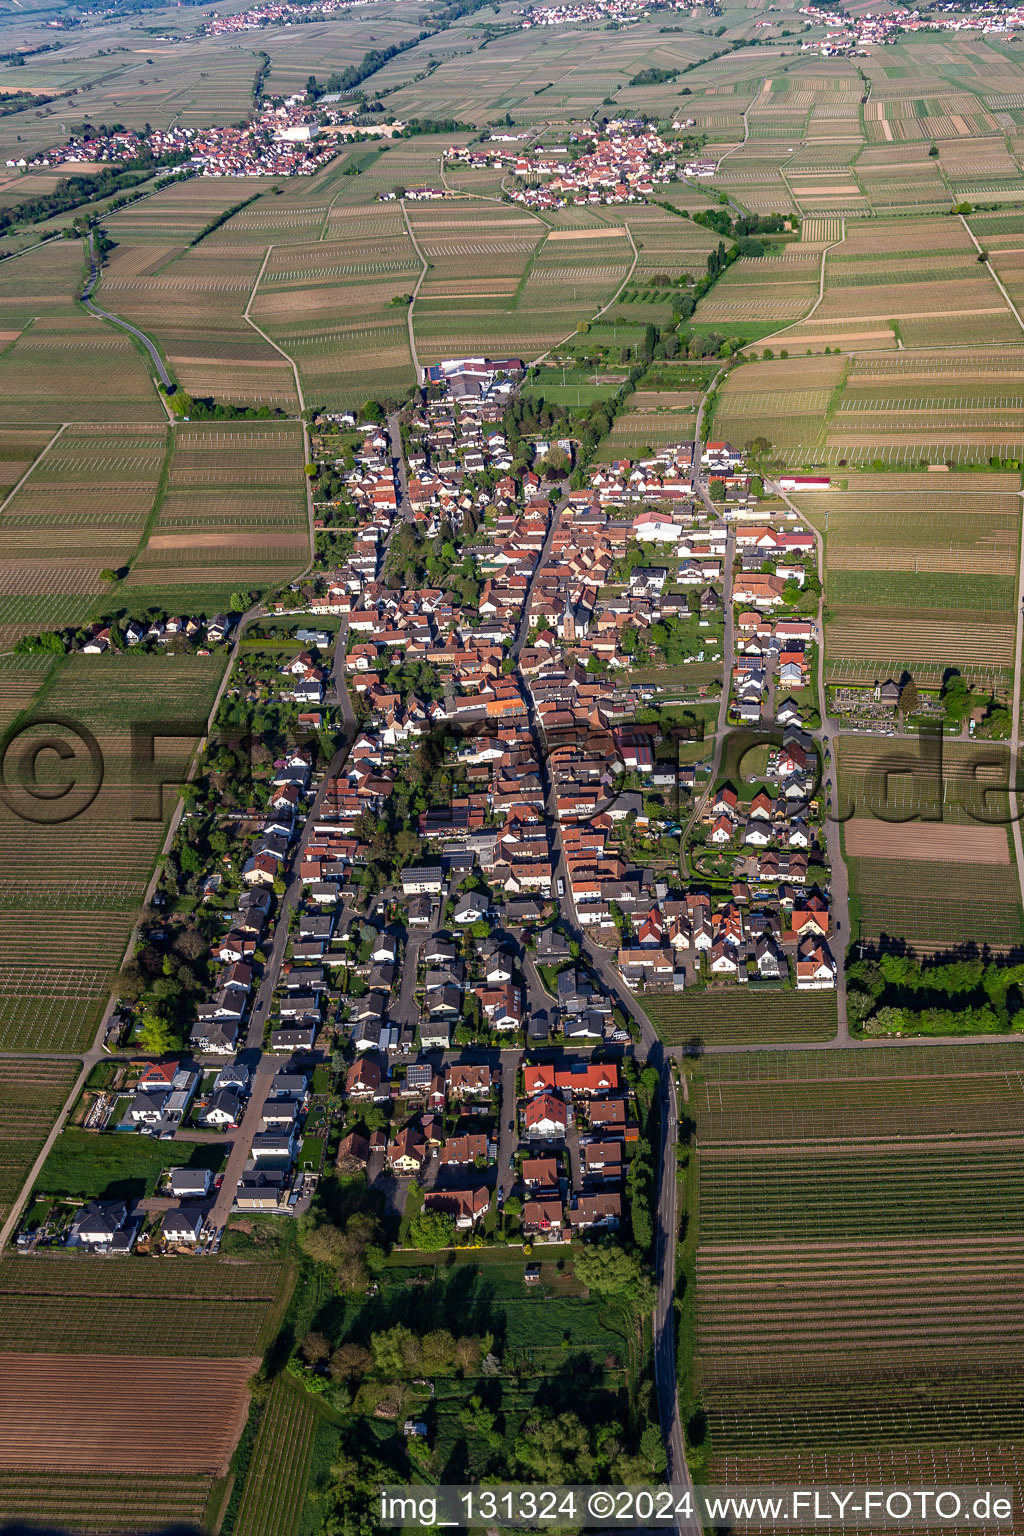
(919, 282)
(941, 407)
(877, 1189)
(743, 1016)
(233, 515)
(89, 495)
(500, 283)
(947, 879)
(32, 1092)
(106, 1503)
(275, 1485)
(921, 575)
(84, 878)
(77, 1303)
(328, 304)
(784, 400)
(88, 1412)
(765, 290)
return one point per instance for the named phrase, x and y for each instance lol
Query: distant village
(594, 10)
(281, 13)
(627, 162)
(285, 139)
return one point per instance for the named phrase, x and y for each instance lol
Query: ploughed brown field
(82, 1412)
(866, 838)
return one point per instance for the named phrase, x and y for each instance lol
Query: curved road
(124, 325)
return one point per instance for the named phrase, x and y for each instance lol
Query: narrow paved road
(217, 1219)
(102, 314)
(827, 737)
(415, 294)
(667, 1214)
(508, 1140)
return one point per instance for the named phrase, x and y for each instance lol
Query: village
(281, 138)
(476, 832)
(625, 163)
(593, 10)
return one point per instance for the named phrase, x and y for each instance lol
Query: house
(471, 908)
(214, 1036)
(467, 1206)
(281, 1115)
(419, 1075)
(602, 1159)
(296, 1037)
(235, 1075)
(538, 1077)
(604, 1210)
(363, 1080)
(102, 1224)
(546, 1117)
(190, 1183)
(262, 1189)
(408, 1152)
(274, 1144)
(291, 1082)
(225, 1108)
(164, 1106)
(587, 1078)
(542, 1217)
(815, 967)
(354, 1149)
(435, 1034)
(540, 1172)
(607, 1114)
(459, 1150)
(468, 1081)
(422, 880)
(181, 1226)
(767, 959)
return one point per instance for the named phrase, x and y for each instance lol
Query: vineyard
(275, 1484)
(743, 1016)
(31, 1094)
(101, 1503)
(881, 1190)
(82, 879)
(205, 1308)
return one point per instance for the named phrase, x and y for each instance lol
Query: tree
(315, 1348)
(107, 574)
(611, 1271)
(396, 1352)
(432, 1230)
(554, 1449)
(717, 489)
(157, 1035)
(239, 602)
(349, 1362)
(956, 697)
